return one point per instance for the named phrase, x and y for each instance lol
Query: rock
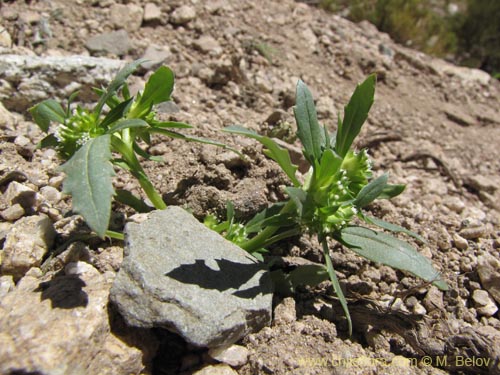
(26, 244)
(156, 55)
(115, 42)
(17, 193)
(43, 324)
(285, 312)
(127, 16)
(6, 285)
(216, 370)
(454, 203)
(207, 44)
(12, 213)
(483, 183)
(458, 116)
(6, 118)
(180, 275)
(5, 38)
(183, 15)
(485, 305)
(52, 74)
(460, 242)
(51, 194)
(433, 299)
(472, 233)
(488, 268)
(234, 356)
(152, 13)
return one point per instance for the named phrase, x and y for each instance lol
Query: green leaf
(47, 111)
(48, 141)
(128, 123)
(256, 224)
(158, 90)
(89, 180)
(170, 124)
(391, 191)
(355, 114)
(336, 284)
(115, 85)
(392, 227)
(275, 152)
(308, 129)
(385, 249)
(300, 198)
(116, 113)
(326, 170)
(139, 151)
(371, 191)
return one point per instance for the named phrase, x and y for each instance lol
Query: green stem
(335, 282)
(260, 240)
(128, 154)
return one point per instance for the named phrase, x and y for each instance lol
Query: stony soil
(434, 127)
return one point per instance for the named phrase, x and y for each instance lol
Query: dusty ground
(433, 126)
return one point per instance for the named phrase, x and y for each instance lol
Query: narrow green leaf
(139, 151)
(308, 129)
(275, 152)
(371, 191)
(47, 111)
(189, 138)
(157, 90)
(256, 223)
(170, 124)
(116, 113)
(355, 114)
(392, 227)
(336, 284)
(89, 180)
(126, 197)
(385, 249)
(391, 191)
(71, 98)
(128, 123)
(116, 83)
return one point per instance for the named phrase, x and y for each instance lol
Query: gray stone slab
(180, 275)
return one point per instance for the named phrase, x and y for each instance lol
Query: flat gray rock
(180, 275)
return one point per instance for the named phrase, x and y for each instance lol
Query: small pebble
(234, 356)
(460, 242)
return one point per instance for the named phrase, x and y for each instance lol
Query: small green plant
(338, 186)
(92, 142)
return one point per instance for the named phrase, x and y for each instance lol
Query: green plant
(92, 142)
(339, 184)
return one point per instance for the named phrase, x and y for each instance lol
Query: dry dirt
(433, 126)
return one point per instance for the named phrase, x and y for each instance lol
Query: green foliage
(479, 35)
(338, 186)
(413, 22)
(87, 139)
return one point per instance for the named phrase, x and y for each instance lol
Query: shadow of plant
(64, 292)
(230, 275)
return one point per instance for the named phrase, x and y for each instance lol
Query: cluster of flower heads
(75, 132)
(334, 204)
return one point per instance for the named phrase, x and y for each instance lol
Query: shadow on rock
(230, 275)
(64, 292)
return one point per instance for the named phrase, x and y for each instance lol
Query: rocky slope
(434, 127)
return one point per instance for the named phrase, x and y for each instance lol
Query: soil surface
(434, 127)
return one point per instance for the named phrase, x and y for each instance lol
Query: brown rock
(60, 325)
(26, 244)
